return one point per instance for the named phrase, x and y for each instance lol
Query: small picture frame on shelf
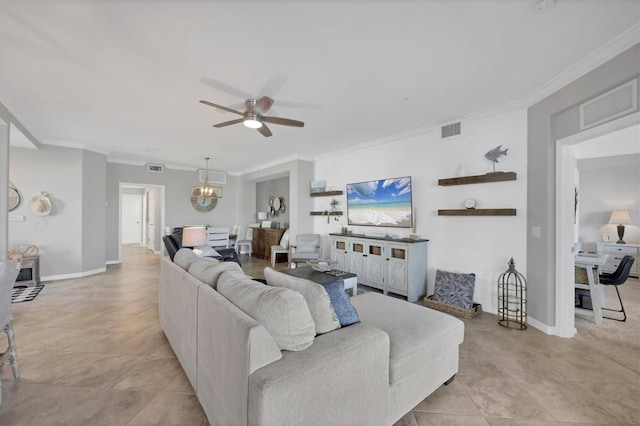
(606, 238)
(318, 185)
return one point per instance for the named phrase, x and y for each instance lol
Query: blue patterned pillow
(341, 303)
(454, 289)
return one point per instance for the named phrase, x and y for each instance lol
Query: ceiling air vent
(155, 168)
(214, 176)
(452, 129)
(615, 103)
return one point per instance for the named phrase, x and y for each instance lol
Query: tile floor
(91, 352)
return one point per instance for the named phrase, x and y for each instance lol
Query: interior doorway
(151, 216)
(131, 218)
(567, 150)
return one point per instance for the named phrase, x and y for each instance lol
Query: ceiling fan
(253, 116)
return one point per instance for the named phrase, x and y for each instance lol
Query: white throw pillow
(314, 294)
(306, 246)
(284, 241)
(283, 312)
(209, 272)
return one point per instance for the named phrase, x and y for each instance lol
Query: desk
(595, 290)
(307, 272)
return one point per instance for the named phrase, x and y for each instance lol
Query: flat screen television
(384, 202)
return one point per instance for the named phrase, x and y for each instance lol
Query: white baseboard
(113, 262)
(70, 276)
(552, 331)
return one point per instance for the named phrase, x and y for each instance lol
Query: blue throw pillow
(454, 289)
(341, 303)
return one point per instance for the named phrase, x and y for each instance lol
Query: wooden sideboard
(263, 239)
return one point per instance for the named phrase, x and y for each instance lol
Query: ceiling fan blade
(263, 105)
(229, 123)
(221, 107)
(264, 130)
(226, 88)
(283, 121)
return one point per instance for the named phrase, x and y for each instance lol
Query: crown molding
(624, 41)
(387, 140)
(287, 159)
(74, 144)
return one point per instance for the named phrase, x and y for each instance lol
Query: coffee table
(307, 272)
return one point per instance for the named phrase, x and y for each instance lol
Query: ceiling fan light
(252, 123)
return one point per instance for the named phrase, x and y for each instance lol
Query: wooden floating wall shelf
(477, 212)
(326, 193)
(489, 177)
(326, 213)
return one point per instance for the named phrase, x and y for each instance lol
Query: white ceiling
(125, 77)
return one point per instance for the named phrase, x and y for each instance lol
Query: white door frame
(137, 185)
(565, 231)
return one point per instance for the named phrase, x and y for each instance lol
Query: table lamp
(193, 237)
(620, 218)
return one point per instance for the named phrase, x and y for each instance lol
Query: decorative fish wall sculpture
(494, 154)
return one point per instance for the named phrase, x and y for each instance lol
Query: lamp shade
(620, 217)
(194, 236)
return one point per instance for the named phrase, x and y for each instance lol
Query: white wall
(607, 184)
(482, 245)
(71, 239)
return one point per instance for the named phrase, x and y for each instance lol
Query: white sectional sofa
(371, 372)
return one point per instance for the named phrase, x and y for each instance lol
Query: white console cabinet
(392, 265)
(616, 252)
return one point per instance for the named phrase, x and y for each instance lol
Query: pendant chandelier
(204, 197)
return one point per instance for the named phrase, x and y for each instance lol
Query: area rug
(25, 294)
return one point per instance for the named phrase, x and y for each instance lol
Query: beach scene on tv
(384, 202)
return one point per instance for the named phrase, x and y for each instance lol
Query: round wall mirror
(14, 198)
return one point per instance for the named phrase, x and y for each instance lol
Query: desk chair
(248, 239)
(618, 277)
(283, 248)
(8, 273)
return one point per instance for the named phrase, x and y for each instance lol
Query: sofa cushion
(283, 312)
(416, 334)
(454, 289)
(184, 258)
(306, 247)
(208, 270)
(316, 296)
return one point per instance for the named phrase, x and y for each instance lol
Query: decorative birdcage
(512, 298)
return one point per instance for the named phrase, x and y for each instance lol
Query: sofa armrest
(231, 345)
(342, 378)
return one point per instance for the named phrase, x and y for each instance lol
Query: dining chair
(283, 248)
(306, 247)
(616, 278)
(234, 236)
(248, 239)
(9, 270)
(218, 237)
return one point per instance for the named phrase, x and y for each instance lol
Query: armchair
(173, 243)
(306, 247)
